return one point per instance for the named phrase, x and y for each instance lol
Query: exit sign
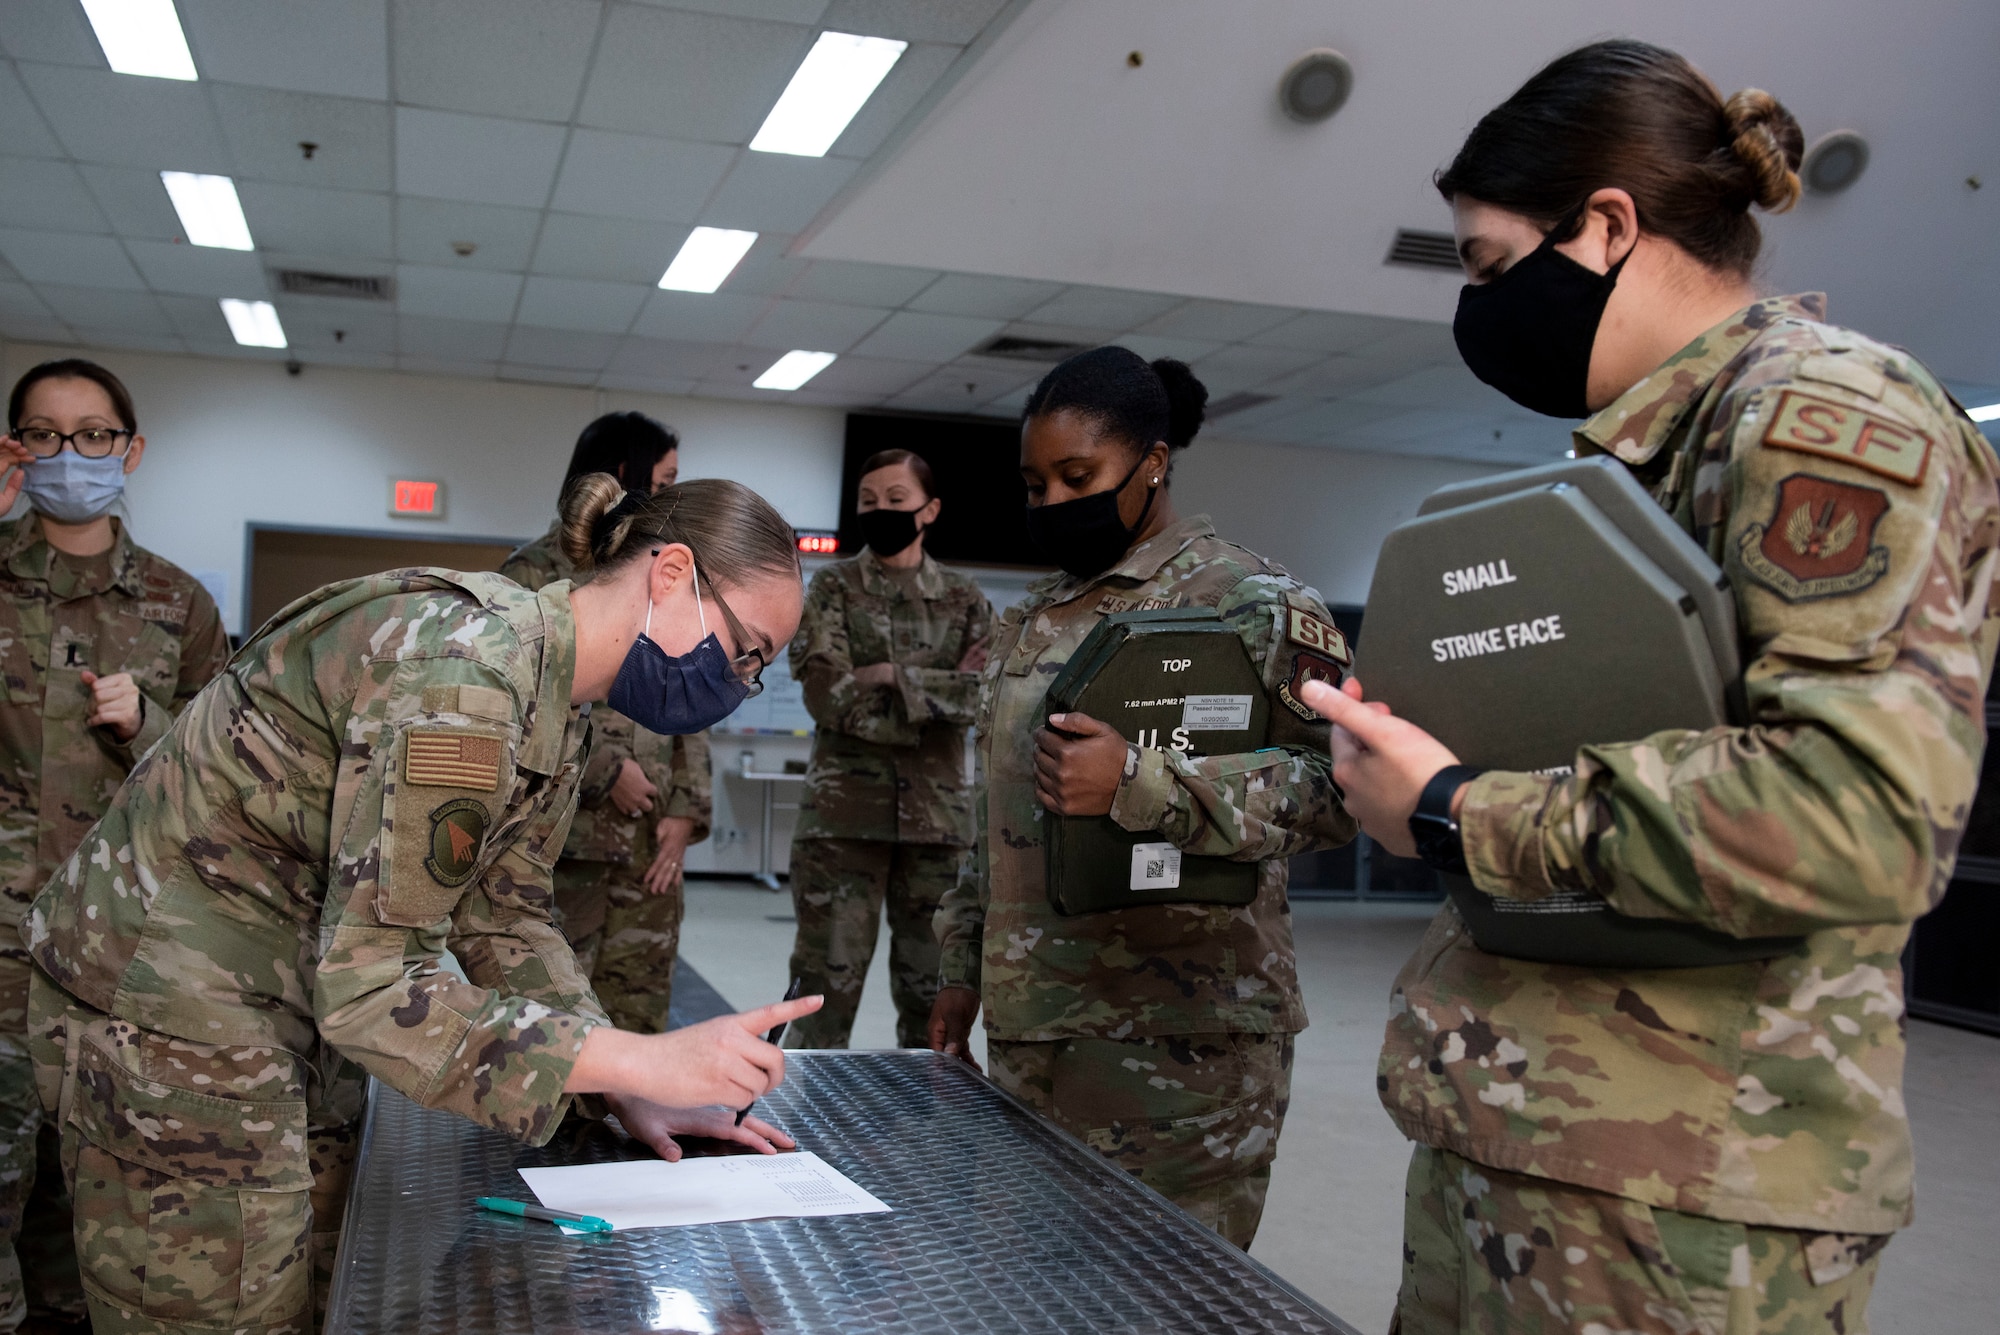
(413, 498)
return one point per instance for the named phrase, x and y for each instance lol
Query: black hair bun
(1187, 401)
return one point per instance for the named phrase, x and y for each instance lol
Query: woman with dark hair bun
(1162, 1033)
(1719, 1148)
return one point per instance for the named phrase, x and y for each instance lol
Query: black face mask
(1085, 536)
(887, 531)
(1529, 332)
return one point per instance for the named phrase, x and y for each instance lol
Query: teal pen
(589, 1223)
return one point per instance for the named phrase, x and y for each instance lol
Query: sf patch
(1315, 636)
(1835, 431)
(1307, 666)
(1819, 541)
(457, 829)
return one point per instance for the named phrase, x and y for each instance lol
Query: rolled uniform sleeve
(678, 767)
(1861, 596)
(823, 664)
(414, 868)
(1263, 804)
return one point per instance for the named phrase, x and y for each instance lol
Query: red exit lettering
(408, 496)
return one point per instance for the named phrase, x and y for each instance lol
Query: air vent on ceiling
(1426, 250)
(1236, 403)
(306, 283)
(1017, 349)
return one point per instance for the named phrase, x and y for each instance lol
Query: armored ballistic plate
(1177, 679)
(1517, 628)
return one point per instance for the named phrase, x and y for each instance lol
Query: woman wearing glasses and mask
(385, 771)
(643, 797)
(1160, 1034)
(888, 654)
(101, 644)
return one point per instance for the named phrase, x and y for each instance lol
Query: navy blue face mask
(680, 695)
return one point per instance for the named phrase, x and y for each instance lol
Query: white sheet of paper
(656, 1194)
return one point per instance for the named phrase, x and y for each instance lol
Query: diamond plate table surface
(1001, 1222)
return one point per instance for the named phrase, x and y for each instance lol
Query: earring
(1156, 482)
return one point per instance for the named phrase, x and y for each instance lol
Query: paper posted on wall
(658, 1194)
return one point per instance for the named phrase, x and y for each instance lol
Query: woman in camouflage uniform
(101, 644)
(888, 654)
(385, 771)
(643, 797)
(1161, 1035)
(1719, 1149)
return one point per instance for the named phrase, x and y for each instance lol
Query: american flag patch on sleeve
(438, 758)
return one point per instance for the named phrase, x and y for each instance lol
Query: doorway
(282, 562)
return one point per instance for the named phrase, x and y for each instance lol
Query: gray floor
(1336, 1197)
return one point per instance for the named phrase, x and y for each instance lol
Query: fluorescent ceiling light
(830, 85)
(708, 256)
(254, 323)
(793, 369)
(141, 37)
(211, 215)
(1988, 413)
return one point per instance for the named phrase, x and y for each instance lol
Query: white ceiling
(1013, 175)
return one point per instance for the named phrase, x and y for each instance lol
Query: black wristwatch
(1440, 842)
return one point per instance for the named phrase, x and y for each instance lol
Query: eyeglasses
(748, 666)
(93, 442)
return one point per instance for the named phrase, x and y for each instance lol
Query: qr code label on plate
(1156, 867)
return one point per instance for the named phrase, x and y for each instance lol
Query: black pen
(791, 994)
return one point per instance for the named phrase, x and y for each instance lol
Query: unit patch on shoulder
(1835, 431)
(1819, 542)
(448, 758)
(1321, 637)
(457, 828)
(1307, 666)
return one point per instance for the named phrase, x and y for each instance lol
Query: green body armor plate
(1520, 618)
(1176, 679)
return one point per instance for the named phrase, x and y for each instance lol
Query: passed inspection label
(1216, 713)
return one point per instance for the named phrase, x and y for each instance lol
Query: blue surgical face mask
(677, 695)
(71, 489)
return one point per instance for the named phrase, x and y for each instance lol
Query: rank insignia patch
(1819, 542)
(1814, 426)
(457, 828)
(1307, 667)
(447, 758)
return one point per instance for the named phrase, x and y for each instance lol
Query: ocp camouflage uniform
(386, 771)
(1722, 1149)
(887, 812)
(125, 610)
(626, 940)
(1160, 1035)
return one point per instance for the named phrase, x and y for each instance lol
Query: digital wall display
(977, 464)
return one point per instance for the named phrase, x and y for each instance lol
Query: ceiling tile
(862, 284)
(459, 294)
(638, 176)
(480, 159)
(776, 192)
(1103, 308)
(719, 317)
(1448, 386)
(579, 303)
(869, 379)
(666, 358)
(618, 249)
(27, 133)
(767, 270)
(546, 375)
(503, 238)
(531, 346)
(1060, 333)
(51, 30)
(201, 271)
(1332, 377)
(967, 387)
(1412, 343)
(350, 326)
(975, 294)
(956, 21)
(450, 340)
(910, 336)
(520, 58)
(1325, 331)
(133, 200)
(106, 308)
(332, 222)
(265, 127)
(197, 319)
(782, 11)
(692, 76)
(1258, 416)
(104, 117)
(18, 300)
(914, 75)
(35, 192)
(1321, 422)
(1246, 367)
(1222, 321)
(117, 336)
(59, 257)
(1153, 346)
(340, 354)
(338, 47)
(819, 326)
(28, 329)
(419, 365)
(645, 384)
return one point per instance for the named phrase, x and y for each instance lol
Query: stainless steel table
(1001, 1222)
